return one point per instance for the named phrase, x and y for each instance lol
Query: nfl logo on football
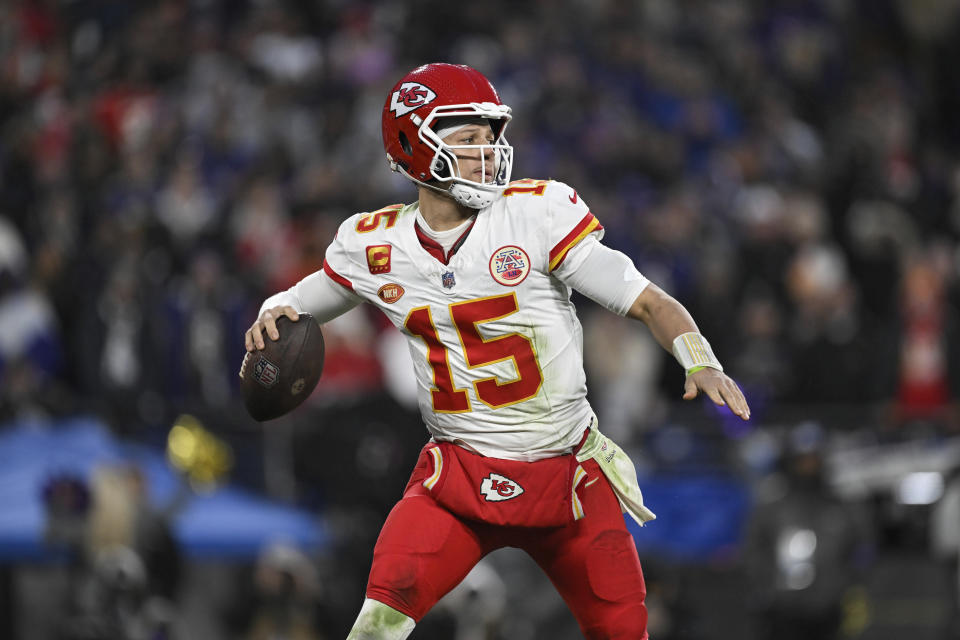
(448, 280)
(266, 373)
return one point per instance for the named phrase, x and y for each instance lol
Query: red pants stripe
(424, 551)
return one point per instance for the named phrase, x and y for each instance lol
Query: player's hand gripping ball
(278, 378)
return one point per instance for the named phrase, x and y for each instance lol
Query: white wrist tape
(692, 350)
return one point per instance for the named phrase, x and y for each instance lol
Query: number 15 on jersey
(477, 351)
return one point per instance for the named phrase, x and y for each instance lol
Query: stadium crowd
(789, 170)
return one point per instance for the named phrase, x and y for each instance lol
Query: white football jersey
(496, 343)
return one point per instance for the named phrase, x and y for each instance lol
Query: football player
(477, 273)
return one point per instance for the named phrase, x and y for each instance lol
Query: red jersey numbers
(371, 221)
(477, 352)
(446, 398)
(534, 187)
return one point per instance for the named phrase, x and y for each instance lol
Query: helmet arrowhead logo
(410, 96)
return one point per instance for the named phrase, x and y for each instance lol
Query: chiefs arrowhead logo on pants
(475, 487)
(497, 488)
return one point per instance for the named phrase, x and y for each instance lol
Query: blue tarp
(226, 523)
(700, 516)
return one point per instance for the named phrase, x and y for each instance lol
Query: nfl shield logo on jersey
(448, 280)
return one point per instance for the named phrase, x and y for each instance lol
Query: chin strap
(471, 197)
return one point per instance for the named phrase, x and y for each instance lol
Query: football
(278, 378)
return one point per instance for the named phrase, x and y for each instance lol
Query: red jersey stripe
(336, 277)
(588, 225)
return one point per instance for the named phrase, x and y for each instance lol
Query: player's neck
(440, 211)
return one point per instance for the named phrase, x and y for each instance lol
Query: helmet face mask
(419, 105)
(445, 163)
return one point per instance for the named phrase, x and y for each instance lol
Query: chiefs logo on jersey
(410, 96)
(509, 265)
(497, 488)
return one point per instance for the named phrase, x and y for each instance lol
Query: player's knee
(613, 568)
(377, 621)
(627, 623)
(394, 571)
(394, 579)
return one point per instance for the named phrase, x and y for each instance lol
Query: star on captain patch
(448, 280)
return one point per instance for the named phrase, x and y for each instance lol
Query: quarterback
(477, 274)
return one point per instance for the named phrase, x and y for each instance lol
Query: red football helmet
(417, 107)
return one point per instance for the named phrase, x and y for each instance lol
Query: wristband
(693, 352)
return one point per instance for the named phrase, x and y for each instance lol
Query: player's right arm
(316, 294)
(321, 294)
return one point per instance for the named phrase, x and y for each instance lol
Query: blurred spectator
(761, 361)
(66, 502)
(204, 310)
(287, 589)
(622, 364)
(351, 369)
(123, 569)
(945, 536)
(30, 345)
(184, 206)
(927, 328)
(264, 239)
(118, 351)
(278, 48)
(806, 549)
(123, 515)
(832, 354)
(477, 604)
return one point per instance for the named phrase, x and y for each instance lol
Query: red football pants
(424, 551)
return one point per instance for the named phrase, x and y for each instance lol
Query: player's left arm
(610, 278)
(674, 328)
(577, 257)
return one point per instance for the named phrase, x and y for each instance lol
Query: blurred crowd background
(788, 169)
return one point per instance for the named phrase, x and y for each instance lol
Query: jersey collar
(433, 247)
